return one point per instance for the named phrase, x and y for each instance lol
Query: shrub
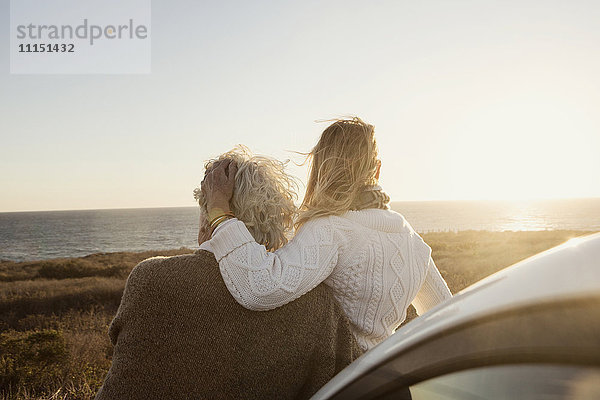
(34, 359)
(57, 297)
(77, 268)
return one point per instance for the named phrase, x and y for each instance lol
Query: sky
(469, 99)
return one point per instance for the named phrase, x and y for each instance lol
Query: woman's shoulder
(383, 220)
(353, 223)
(320, 228)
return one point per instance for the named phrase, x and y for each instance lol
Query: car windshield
(540, 381)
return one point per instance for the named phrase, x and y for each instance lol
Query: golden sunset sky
(470, 100)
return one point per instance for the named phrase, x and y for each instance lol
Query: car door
(553, 347)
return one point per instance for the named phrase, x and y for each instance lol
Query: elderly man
(179, 334)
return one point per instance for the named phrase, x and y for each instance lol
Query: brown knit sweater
(179, 334)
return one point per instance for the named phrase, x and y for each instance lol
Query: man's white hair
(263, 196)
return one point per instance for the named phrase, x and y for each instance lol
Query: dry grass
(54, 318)
(100, 264)
(54, 315)
(466, 257)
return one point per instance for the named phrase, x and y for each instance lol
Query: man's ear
(378, 169)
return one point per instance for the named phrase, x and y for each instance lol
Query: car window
(518, 381)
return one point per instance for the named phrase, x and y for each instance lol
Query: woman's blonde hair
(342, 164)
(263, 196)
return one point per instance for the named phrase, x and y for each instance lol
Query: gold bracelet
(218, 220)
(222, 219)
(217, 212)
(218, 217)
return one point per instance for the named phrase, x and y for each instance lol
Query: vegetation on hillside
(54, 315)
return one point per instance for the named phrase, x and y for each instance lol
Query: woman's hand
(217, 187)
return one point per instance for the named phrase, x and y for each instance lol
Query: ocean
(53, 234)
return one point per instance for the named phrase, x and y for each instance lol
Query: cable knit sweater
(373, 260)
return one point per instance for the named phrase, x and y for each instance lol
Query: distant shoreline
(432, 235)
(54, 234)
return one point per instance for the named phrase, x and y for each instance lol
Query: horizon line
(508, 200)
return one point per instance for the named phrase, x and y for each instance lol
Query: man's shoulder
(197, 276)
(157, 261)
(156, 268)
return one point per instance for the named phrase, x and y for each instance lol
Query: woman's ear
(378, 169)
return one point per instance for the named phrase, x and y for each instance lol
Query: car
(530, 331)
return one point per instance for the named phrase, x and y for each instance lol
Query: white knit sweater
(373, 260)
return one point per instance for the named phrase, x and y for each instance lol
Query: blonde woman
(346, 236)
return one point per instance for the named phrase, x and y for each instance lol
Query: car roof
(567, 272)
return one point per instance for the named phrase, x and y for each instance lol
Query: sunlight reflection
(524, 216)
